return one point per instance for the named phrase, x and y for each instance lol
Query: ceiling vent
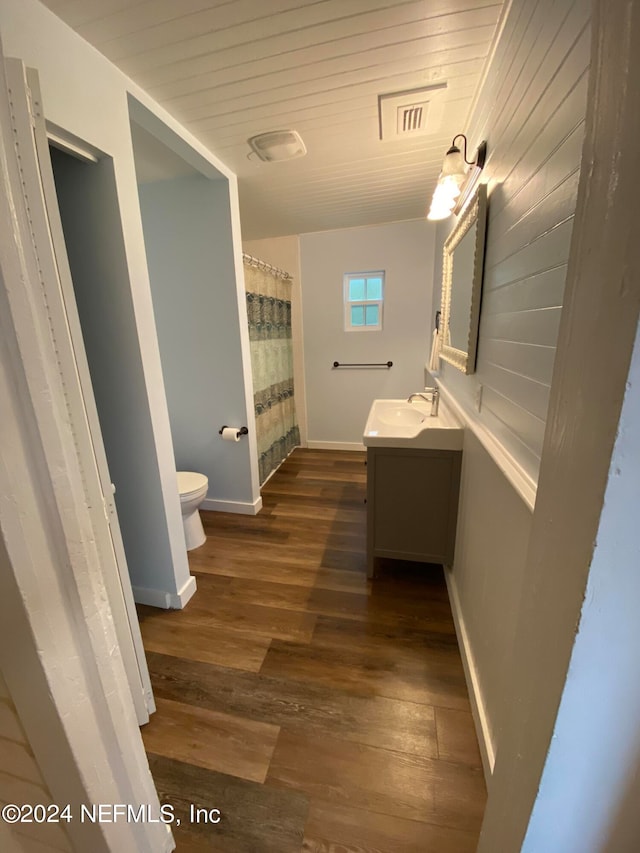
(414, 112)
(278, 145)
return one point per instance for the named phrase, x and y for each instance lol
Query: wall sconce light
(455, 182)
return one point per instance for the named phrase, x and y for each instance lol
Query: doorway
(91, 223)
(93, 245)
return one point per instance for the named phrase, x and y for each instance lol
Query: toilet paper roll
(231, 434)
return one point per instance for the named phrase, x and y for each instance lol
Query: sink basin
(402, 415)
(397, 423)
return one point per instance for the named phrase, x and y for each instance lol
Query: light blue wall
(93, 234)
(338, 401)
(189, 249)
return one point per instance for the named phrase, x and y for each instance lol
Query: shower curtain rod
(263, 265)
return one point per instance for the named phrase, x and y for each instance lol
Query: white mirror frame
(476, 211)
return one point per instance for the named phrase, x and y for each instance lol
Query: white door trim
(47, 224)
(59, 651)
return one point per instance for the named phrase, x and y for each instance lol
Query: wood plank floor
(318, 712)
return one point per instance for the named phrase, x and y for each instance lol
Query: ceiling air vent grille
(414, 112)
(411, 118)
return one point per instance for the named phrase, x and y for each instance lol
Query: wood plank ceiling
(230, 69)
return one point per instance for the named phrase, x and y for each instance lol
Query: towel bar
(386, 364)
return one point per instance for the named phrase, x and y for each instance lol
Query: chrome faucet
(434, 399)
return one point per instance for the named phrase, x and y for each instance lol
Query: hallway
(316, 711)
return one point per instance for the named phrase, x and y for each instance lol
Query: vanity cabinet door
(412, 502)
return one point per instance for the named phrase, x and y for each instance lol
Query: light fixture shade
(444, 199)
(450, 185)
(436, 212)
(444, 196)
(453, 163)
(455, 182)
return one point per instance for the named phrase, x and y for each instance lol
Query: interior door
(31, 139)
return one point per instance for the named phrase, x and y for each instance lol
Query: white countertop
(398, 423)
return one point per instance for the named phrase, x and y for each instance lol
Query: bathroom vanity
(413, 481)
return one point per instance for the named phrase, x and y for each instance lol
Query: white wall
(87, 96)
(284, 253)
(596, 731)
(531, 110)
(189, 252)
(338, 400)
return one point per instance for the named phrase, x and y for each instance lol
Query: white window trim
(348, 304)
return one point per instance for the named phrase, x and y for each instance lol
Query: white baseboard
(335, 445)
(240, 507)
(471, 675)
(165, 600)
(185, 593)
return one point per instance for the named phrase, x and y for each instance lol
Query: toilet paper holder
(241, 430)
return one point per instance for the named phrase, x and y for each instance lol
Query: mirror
(462, 270)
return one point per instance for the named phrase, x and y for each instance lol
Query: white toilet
(193, 490)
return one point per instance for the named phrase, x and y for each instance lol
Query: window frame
(349, 303)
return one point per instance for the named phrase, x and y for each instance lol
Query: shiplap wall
(21, 782)
(531, 111)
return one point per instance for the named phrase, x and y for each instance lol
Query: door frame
(59, 651)
(84, 407)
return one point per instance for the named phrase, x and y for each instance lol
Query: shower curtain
(269, 316)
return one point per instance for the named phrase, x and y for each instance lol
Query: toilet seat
(189, 482)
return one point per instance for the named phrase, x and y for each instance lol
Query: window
(363, 299)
